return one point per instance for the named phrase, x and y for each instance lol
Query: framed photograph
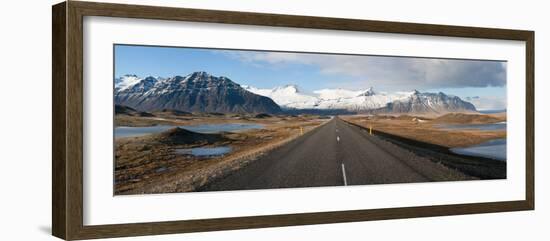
(171, 120)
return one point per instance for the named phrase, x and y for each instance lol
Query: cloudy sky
(481, 82)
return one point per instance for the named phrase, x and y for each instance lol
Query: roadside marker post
(370, 130)
(344, 175)
(301, 130)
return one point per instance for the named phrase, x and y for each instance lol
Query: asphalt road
(334, 154)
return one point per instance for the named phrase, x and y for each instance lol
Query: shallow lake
(485, 127)
(127, 131)
(215, 128)
(204, 151)
(495, 149)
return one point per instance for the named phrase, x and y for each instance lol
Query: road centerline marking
(337, 138)
(344, 174)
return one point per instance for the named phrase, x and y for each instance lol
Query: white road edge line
(344, 174)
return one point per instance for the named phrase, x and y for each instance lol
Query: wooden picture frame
(67, 125)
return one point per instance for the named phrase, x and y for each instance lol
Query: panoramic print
(198, 119)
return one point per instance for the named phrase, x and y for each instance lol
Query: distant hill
(180, 136)
(196, 92)
(125, 110)
(175, 112)
(461, 118)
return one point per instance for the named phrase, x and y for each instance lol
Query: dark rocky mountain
(196, 92)
(438, 103)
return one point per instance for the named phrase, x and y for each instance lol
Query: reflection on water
(495, 149)
(484, 127)
(204, 151)
(126, 131)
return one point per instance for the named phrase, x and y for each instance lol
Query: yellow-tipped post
(301, 130)
(370, 130)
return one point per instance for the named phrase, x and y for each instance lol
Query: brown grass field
(426, 129)
(148, 164)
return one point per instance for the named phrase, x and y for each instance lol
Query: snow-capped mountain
(125, 81)
(202, 92)
(287, 96)
(290, 97)
(196, 92)
(360, 101)
(429, 103)
(330, 94)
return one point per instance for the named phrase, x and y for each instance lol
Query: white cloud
(487, 102)
(391, 72)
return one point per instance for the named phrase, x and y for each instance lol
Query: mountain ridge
(202, 92)
(196, 92)
(367, 101)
